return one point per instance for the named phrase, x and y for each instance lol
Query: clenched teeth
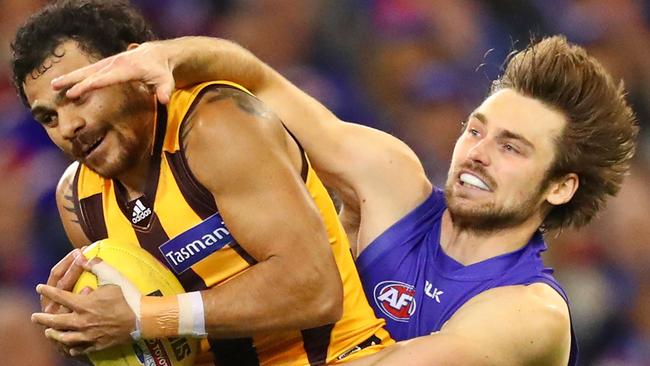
(473, 181)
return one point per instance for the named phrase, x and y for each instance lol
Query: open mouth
(472, 181)
(88, 149)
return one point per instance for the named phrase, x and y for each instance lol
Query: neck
(135, 180)
(468, 246)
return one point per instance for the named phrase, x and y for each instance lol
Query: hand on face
(147, 62)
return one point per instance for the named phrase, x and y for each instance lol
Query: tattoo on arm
(246, 102)
(69, 205)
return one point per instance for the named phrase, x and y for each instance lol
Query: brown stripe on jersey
(91, 211)
(154, 236)
(153, 172)
(234, 352)
(92, 217)
(196, 195)
(317, 341)
(305, 167)
(242, 252)
(303, 156)
(82, 209)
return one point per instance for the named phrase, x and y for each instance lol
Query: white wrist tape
(191, 315)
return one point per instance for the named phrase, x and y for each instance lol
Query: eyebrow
(60, 96)
(504, 133)
(40, 110)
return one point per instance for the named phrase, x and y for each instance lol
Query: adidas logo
(140, 212)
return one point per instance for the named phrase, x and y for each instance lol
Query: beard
(490, 216)
(121, 160)
(127, 148)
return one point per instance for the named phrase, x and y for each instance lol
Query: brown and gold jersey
(177, 220)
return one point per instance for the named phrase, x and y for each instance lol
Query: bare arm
(65, 273)
(268, 210)
(377, 176)
(65, 202)
(516, 325)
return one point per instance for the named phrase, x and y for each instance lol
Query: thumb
(107, 274)
(164, 91)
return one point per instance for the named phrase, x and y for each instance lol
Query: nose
(70, 123)
(479, 153)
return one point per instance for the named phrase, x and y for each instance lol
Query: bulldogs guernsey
(416, 287)
(178, 222)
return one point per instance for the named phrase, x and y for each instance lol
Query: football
(151, 278)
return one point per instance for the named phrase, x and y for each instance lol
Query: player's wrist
(172, 316)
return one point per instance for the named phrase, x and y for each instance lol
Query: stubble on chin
(487, 217)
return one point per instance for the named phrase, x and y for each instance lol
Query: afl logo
(395, 299)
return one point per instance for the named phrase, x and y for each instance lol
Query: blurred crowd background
(414, 68)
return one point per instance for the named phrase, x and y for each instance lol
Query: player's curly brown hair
(598, 141)
(101, 28)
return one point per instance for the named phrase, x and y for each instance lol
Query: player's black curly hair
(101, 28)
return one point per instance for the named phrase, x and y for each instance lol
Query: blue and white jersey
(416, 287)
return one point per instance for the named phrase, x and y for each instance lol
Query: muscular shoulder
(227, 130)
(226, 112)
(521, 325)
(65, 182)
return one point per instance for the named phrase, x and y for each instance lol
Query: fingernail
(74, 353)
(39, 287)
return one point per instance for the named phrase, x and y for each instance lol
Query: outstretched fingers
(63, 275)
(73, 78)
(62, 297)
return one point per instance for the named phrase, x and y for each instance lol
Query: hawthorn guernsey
(186, 232)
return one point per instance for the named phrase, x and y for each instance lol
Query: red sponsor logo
(395, 299)
(157, 351)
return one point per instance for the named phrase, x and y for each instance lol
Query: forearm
(265, 298)
(198, 59)
(429, 350)
(272, 296)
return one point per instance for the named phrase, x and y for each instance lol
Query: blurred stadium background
(414, 68)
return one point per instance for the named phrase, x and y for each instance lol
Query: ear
(132, 46)
(561, 190)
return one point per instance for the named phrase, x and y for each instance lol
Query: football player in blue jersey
(455, 270)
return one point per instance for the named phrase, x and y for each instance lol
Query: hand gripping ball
(151, 278)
